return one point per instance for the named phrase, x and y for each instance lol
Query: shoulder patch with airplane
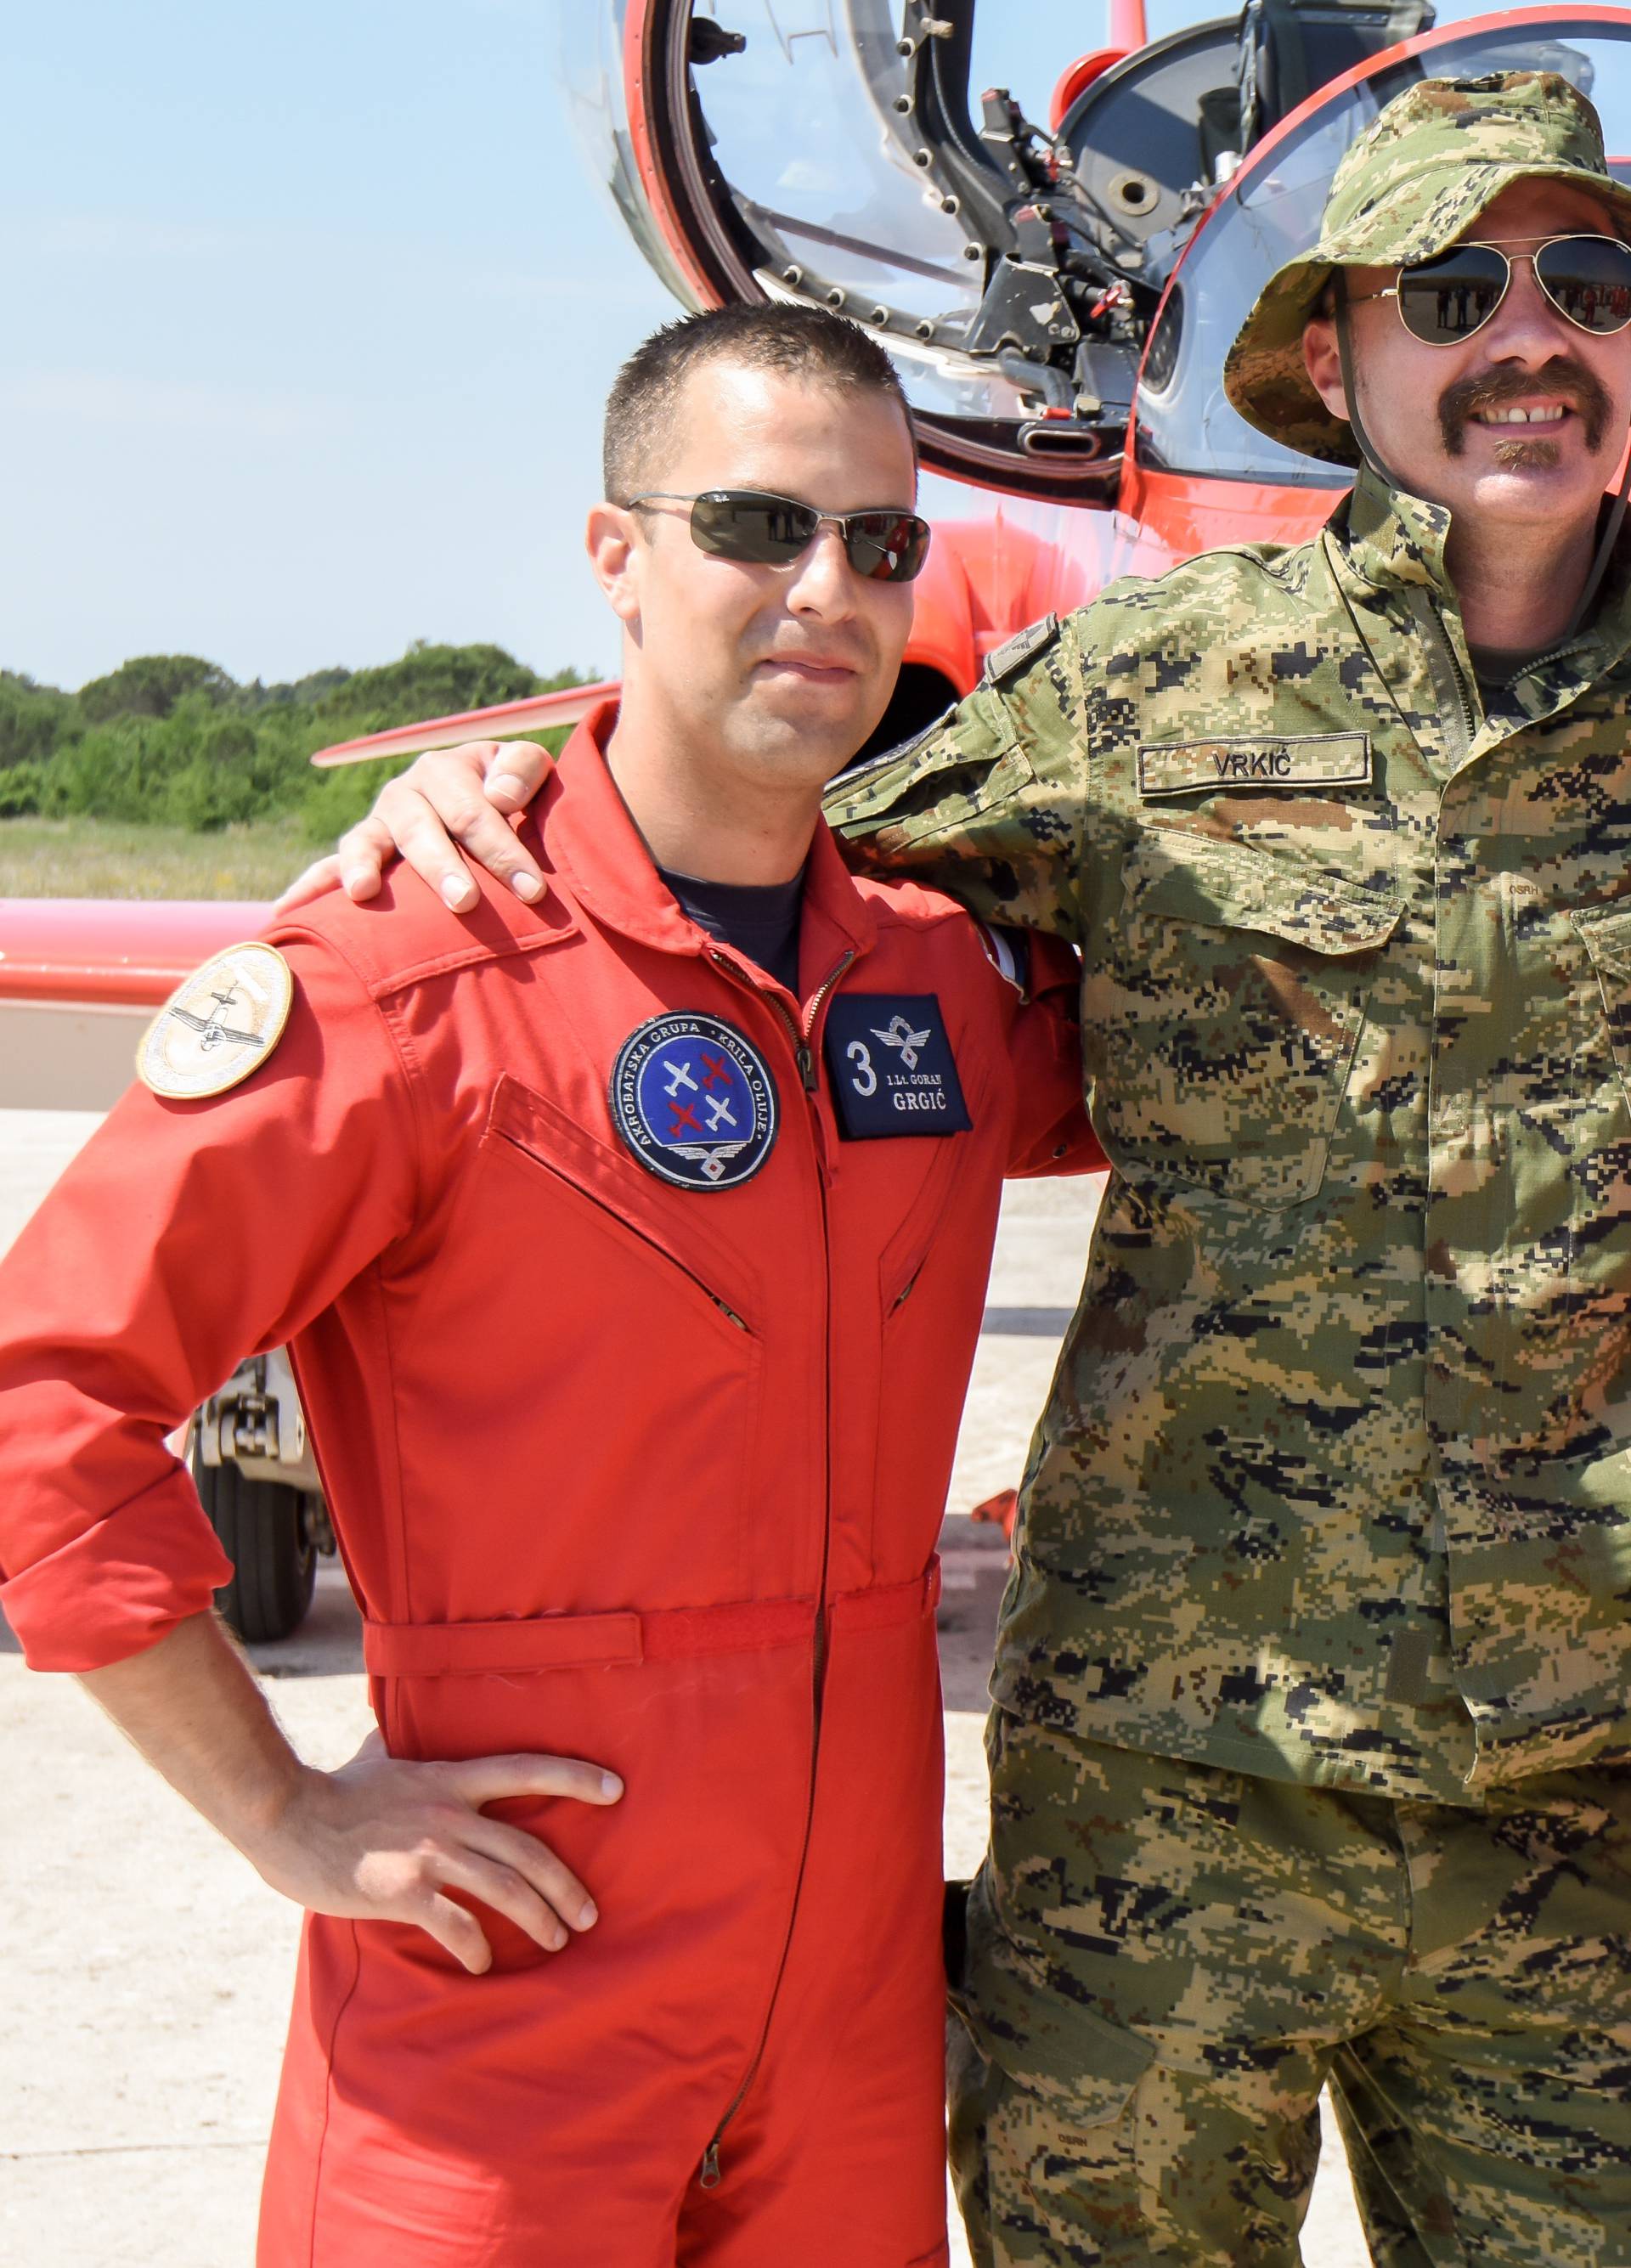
(219, 1024)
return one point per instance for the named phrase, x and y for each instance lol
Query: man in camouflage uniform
(1311, 1751)
(1313, 1687)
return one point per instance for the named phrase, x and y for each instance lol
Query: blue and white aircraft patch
(695, 1101)
(891, 1067)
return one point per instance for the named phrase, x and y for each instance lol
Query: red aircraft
(1059, 296)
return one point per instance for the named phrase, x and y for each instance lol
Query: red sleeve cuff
(119, 1588)
(1054, 967)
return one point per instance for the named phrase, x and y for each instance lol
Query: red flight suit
(636, 1449)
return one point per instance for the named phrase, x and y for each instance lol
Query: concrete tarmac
(148, 1969)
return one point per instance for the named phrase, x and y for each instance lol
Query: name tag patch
(1305, 760)
(891, 1067)
(694, 1099)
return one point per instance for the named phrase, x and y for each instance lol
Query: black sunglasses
(772, 531)
(1444, 300)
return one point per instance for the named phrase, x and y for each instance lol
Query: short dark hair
(795, 342)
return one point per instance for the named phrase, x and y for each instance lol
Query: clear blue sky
(311, 308)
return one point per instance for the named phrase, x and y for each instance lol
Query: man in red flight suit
(632, 1293)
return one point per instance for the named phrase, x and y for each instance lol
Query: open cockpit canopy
(1271, 213)
(1021, 271)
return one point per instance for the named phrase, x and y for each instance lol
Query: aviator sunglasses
(772, 531)
(1444, 300)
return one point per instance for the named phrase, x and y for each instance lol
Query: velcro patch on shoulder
(892, 1068)
(1298, 759)
(1004, 660)
(218, 1026)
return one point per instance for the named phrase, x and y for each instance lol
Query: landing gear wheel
(266, 1532)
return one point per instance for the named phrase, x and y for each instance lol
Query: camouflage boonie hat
(1415, 179)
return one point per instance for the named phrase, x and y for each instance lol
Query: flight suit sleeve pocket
(1220, 1026)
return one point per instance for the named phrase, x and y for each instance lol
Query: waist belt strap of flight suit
(578, 1641)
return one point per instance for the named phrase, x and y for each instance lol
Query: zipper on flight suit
(708, 2175)
(803, 1052)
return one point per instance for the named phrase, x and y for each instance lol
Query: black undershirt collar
(760, 920)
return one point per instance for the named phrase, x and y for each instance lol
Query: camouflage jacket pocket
(1605, 933)
(1223, 1015)
(1078, 2067)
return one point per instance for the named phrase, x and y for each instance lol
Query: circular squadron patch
(218, 1026)
(695, 1101)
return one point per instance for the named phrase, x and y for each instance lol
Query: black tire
(267, 1534)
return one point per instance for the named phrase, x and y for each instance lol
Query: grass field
(110, 858)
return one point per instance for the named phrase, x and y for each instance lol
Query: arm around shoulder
(988, 805)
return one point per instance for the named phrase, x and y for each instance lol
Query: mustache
(1563, 378)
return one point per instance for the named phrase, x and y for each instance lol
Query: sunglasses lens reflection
(1448, 299)
(765, 531)
(888, 547)
(1588, 278)
(755, 530)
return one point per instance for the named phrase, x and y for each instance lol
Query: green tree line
(172, 738)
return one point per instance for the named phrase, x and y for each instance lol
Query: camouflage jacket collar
(1394, 540)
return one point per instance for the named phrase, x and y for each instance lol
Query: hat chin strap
(1368, 449)
(1604, 551)
(1383, 471)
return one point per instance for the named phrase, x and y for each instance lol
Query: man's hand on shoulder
(470, 798)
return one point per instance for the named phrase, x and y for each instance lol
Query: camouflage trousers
(1164, 1963)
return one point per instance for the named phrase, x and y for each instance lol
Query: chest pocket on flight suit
(1226, 1015)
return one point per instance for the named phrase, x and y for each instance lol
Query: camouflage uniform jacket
(1334, 1480)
